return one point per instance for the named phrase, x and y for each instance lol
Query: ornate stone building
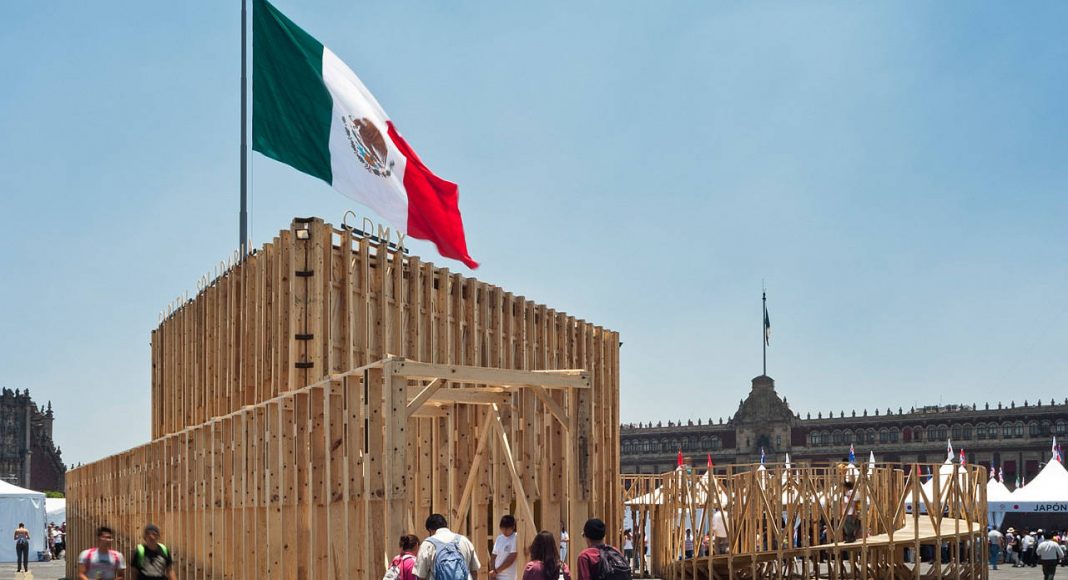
(28, 458)
(1014, 437)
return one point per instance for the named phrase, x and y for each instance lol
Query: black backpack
(613, 565)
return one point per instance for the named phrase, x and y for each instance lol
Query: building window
(778, 441)
(1018, 430)
(1034, 430)
(980, 431)
(956, 431)
(838, 437)
(966, 432)
(1060, 427)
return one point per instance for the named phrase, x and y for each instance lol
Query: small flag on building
(709, 462)
(767, 324)
(679, 459)
(963, 461)
(852, 454)
(949, 451)
(1001, 474)
(763, 458)
(311, 112)
(1056, 450)
(993, 474)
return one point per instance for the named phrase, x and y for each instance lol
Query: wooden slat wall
(244, 453)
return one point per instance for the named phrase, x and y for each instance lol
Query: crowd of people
(447, 555)
(1045, 548)
(442, 555)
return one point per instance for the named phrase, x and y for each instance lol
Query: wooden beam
(488, 376)
(526, 512)
(468, 396)
(424, 396)
(476, 463)
(553, 407)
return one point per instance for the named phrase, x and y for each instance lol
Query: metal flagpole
(243, 242)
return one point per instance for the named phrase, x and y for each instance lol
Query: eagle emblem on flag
(368, 144)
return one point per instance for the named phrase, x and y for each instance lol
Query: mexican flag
(310, 111)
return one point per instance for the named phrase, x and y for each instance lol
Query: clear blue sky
(895, 171)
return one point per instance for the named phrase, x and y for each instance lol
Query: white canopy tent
(1047, 493)
(21, 505)
(996, 494)
(56, 509)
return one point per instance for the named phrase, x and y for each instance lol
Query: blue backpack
(449, 563)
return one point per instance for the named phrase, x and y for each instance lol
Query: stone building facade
(1014, 437)
(28, 458)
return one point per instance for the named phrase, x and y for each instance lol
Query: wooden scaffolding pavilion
(788, 522)
(330, 391)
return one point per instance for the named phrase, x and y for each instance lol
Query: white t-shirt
(628, 543)
(503, 547)
(564, 537)
(104, 563)
(719, 526)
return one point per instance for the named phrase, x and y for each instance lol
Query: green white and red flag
(311, 112)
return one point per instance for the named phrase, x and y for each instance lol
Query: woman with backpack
(403, 565)
(545, 561)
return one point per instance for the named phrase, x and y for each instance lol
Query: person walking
(505, 551)
(1027, 548)
(151, 560)
(403, 565)
(599, 561)
(995, 541)
(1011, 542)
(1049, 554)
(101, 562)
(22, 547)
(445, 555)
(544, 561)
(628, 547)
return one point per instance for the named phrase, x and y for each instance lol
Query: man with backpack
(599, 561)
(151, 560)
(445, 555)
(101, 562)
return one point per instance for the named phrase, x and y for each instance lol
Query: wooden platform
(759, 503)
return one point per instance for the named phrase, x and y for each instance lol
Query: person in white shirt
(443, 541)
(564, 540)
(505, 551)
(995, 541)
(1049, 553)
(719, 531)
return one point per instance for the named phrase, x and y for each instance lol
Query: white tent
(945, 479)
(21, 505)
(996, 494)
(1047, 493)
(56, 509)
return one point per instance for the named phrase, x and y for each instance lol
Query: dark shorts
(851, 528)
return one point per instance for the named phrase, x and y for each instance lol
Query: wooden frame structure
(788, 523)
(268, 435)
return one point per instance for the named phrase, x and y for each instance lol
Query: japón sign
(1030, 506)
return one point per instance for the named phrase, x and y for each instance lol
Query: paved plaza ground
(55, 571)
(40, 570)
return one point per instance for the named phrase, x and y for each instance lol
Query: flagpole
(243, 233)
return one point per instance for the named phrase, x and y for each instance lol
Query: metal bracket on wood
(305, 273)
(305, 365)
(304, 336)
